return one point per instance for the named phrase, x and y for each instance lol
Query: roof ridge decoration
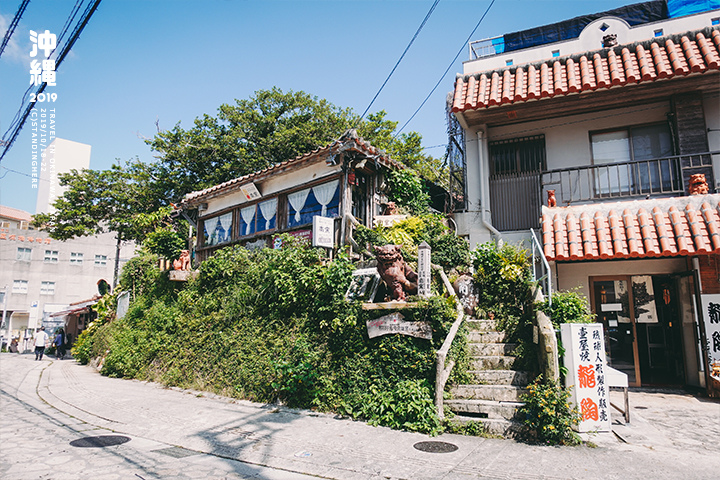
(678, 226)
(675, 55)
(348, 141)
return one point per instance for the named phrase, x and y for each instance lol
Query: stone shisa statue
(397, 275)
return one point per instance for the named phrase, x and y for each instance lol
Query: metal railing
(638, 178)
(541, 266)
(487, 47)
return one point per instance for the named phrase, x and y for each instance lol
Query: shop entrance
(642, 320)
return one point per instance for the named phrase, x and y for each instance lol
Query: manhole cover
(100, 441)
(435, 447)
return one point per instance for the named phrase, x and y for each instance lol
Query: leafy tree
(101, 201)
(270, 127)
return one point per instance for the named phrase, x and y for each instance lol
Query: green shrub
(406, 406)
(568, 307)
(164, 242)
(406, 190)
(548, 414)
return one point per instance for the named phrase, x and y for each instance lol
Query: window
(508, 62)
(634, 144)
(76, 258)
(51, 256)
(100, 260)
(323, 200)
(47, 288)
(258, 218)
(20, 286)
(4, 224)
(218, 229)
(556, 53)
(658, 32)
(23, 254)
(517, 155)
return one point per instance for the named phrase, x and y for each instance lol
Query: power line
(13, 25)
(63, 53)
(447, 69)
(427, 16)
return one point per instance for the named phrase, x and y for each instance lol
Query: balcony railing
(625, 180)
(516, 199)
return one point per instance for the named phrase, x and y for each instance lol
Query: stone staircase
(494, 396)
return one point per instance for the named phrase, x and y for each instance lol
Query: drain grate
(176, 452)
(435, 447)
(100, 441)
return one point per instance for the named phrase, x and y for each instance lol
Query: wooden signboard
(395, 323)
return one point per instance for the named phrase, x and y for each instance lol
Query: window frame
(78, 258)
(51, 256)
(515, 143)
(20, 283)
(26, 252)
(47, 288)
(101, 260)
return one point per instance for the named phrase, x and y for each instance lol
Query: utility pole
(4, 314)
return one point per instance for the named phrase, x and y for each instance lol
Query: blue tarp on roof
(633, 14)
(680, 8)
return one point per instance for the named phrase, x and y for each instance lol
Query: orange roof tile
(678, 226)
(672, 57)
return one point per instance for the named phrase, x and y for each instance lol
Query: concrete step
(484, 408)
(491, 362)
(492, 348)
(486, 337)
(481, 325)
(500, 377)
(497, 426)
(500, 393)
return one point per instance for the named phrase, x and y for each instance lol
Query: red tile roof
(671, 227)
(14, 213)
(670, 57)
(350, 141)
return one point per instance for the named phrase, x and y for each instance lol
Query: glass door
(612, 302)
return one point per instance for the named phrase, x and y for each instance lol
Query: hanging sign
(322, 233)
(585, 360)
(395, 323)
(250, 191)
(711, 314)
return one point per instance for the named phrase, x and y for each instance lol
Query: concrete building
(613, 120)
(40, 276)
(60, 156)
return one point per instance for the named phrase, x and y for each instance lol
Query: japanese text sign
(585, 360)
(711, 314)
(395, 323)
(323, 232)
(424, 270)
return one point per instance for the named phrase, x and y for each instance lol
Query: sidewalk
(670, 435)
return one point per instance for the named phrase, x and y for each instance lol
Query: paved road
(46, 407)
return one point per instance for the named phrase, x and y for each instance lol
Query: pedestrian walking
(41, 339)
(59, 344)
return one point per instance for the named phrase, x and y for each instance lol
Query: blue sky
(139, 62)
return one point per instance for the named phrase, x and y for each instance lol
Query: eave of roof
(696, 52)
(350, 141)
(678, 226)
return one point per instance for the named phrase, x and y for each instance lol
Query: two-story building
(593, 132)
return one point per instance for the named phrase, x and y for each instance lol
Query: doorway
(643, 324)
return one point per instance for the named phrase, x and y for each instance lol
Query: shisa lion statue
(397, 275)
(698, 185)
(182, 263)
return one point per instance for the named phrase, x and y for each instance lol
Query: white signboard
(250, 191)
(123, 304)
(323, 232)
(395, 323)
(711, 316)
(424, 270)
(364, 285)
(585, 360)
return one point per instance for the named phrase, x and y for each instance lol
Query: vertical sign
(322, 233)
(711, 314)
(424, 270)
(585, 360)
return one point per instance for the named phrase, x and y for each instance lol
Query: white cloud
(13, 51)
